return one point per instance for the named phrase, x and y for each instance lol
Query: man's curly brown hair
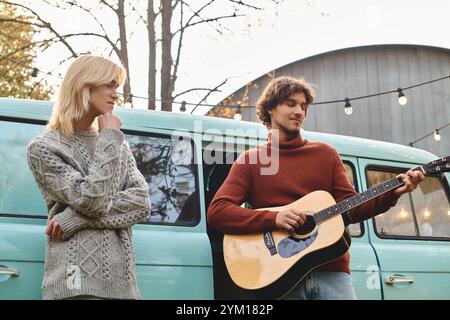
(279, 90)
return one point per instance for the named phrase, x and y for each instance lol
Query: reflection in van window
(16, 181)
(167, 165)
(425, 212)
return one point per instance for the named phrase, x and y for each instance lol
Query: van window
(354, 229)
(167, 163)
(19, 193)
(423, 213)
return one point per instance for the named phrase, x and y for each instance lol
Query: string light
(238, 114)
(249, 106)
(34, 71)
(348, 107)
(437, 135)
(402, 100)
(183, 106)
(129, 102)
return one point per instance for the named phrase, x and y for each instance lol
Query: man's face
(288, 116)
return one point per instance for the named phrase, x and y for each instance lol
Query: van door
(23, 215)
(412, 239)
(363, 262)
(172, 248)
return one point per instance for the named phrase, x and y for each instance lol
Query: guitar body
(268, 275)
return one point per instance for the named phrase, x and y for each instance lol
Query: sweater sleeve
(128, 206)
(225, 213)
(342, 189)
(60, 180)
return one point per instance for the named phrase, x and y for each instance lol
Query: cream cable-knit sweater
(90, 182)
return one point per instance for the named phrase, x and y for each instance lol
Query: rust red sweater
(304, 166)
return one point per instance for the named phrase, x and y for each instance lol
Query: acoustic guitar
(269, 264)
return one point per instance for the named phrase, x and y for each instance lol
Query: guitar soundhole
(307, 228)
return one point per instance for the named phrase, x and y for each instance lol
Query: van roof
(138, 119)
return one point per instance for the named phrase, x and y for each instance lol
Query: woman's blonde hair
(73, 100)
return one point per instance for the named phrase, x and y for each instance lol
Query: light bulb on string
(348, 107)
(238, 115)
(129, 102)
(183, 106)
(437, 135)
(402, 100)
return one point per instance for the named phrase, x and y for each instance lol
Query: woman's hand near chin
(108, 120)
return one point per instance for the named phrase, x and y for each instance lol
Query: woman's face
(103, 98)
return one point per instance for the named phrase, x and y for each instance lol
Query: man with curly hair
(304, 166)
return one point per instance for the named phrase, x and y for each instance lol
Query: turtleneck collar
(297, 142)
(85, 133)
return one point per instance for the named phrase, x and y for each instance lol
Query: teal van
(402, 254)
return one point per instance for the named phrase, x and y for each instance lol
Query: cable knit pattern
(304, 166)
(94, 190)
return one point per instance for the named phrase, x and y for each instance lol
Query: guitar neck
(360, 198)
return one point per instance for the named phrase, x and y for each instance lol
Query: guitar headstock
(437, 167)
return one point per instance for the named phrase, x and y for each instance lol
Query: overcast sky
(275, 36)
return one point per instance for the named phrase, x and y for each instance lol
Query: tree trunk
(166, 56)
(152, 55)
(123, 48)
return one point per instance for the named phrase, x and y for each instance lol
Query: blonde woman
(92, 187)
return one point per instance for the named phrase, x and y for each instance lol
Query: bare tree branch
(18, 50)
(22, 22)
(216, 89)
(92, 34)
(46, 24)
(91, 14)
(210, 20)
(173, 76)
(108, 5)
(133, 9)
(193, 89)
(197, 13)
(241, 3)
(175, 4)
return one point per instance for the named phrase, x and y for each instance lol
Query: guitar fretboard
(356, 200)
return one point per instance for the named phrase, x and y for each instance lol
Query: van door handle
(11, 272)
(397, 278)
